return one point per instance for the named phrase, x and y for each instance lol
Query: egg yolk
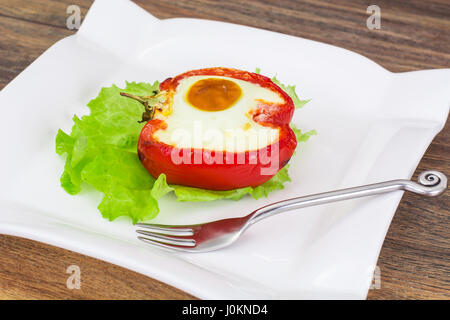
(213, 94)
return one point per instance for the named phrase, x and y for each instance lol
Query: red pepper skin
(156, 156)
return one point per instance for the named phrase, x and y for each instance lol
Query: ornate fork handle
(221, 233)
(430, 183)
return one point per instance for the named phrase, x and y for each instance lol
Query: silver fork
(221, 233)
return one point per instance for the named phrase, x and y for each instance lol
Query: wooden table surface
(414, 35)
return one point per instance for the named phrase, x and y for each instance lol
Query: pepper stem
(149, 112)
(132, 96)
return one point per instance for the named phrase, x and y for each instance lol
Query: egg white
(229, 130)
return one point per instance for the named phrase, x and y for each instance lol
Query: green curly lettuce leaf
(290, 90)
(101, 151)
(184, 193)
(302, 137)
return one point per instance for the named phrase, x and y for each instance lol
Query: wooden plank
(21, 42)
(48, 12)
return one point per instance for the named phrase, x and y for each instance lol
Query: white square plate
(372, 125)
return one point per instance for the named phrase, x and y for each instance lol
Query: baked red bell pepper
(228, 174)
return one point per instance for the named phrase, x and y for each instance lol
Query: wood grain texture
(32, 270)
(415, 35)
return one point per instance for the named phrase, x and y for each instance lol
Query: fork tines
(166, 236)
